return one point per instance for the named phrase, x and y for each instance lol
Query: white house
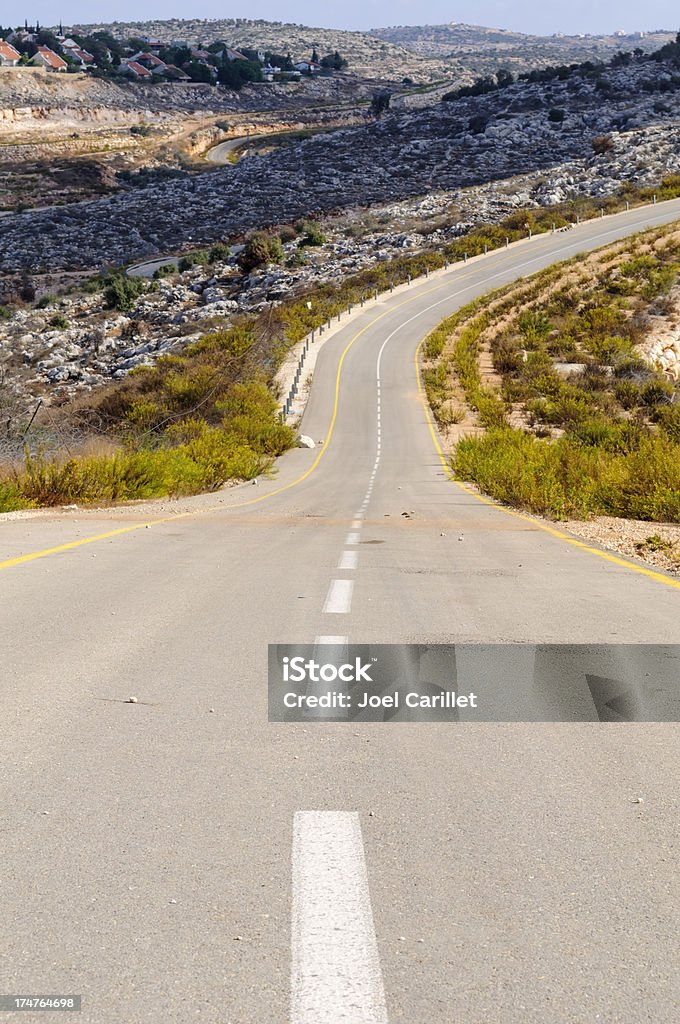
(308, 67)
(48, 59)
(9, 57)
(268, 72)
(77, 54)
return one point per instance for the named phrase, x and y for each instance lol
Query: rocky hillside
(421, 53)
(488, 48)
(524, 128)
(366, 56)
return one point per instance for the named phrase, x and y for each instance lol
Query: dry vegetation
(575, 422)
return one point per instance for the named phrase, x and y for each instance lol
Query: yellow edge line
(650, 573)
(20, 559)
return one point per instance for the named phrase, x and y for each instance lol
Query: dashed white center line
(339, 597)
(348, 560)
(353, 537)
(356, 525)
(335, 976)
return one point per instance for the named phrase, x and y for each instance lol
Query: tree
(278, 60)
(333, 62)
(120, 292)
(45, 38)
(135, 44)
(260, 249)
(249, 70)
(311, 233)
(228, 76)
(199, 72)
(477, 124)
(380, 103)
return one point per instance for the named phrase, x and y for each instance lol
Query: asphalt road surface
(178, 858)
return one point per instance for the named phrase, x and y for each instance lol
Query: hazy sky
(522, 15)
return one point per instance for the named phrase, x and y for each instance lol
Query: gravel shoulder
(658, 544)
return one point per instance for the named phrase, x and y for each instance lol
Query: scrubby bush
(259, 250)
(311, 233)
(120, 292)
(219, 253)
(200, 258)
(565, 478)
(165, 270)
(602, 144)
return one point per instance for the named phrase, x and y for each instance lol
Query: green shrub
(59, 321)
(627, 393)
(219, 253)
(610, 348)
(121, 292)
(311, 233)
(564, 478)
(668, 418)
(165, 270)
(534, 325)
(656, 392)
(199, 258)
(11, 498)
(259, 250)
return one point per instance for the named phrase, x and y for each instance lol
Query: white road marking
(335, 975)
(348, 560)
(356, 525)
(353, 537)
(339, 597)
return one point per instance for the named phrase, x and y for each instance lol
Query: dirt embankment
(34, 100)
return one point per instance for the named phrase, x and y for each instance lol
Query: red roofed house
(150, 61)
(77, 54)
(131, 67)
(9, 57)
(48, 59)
(176, 74)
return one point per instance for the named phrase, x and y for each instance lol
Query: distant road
(180, 858)
(149, 268)
(220, 153)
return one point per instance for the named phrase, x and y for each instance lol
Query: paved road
(180, 859)
(221, 153)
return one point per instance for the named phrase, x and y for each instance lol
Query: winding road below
(179, 858)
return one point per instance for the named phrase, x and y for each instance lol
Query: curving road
(179, 858)
(221, 153)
